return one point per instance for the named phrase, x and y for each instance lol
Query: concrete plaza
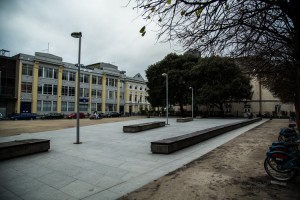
(107, 165)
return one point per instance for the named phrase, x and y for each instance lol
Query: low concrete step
(23, 147)
(142, 127)
(170, 145)
(185, 119)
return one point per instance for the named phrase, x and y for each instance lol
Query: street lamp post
(167, 101)
(192, 101)
(78, 35)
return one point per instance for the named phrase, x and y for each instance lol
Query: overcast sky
(110, 32)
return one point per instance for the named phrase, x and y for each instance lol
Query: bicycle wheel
(280, 175)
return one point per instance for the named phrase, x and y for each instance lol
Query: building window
(71, 91)
(40, 71)
(84, 92)
(111, 95)
(112, 107)
(84, 78)
(277, 108)
(64, 106)
(48, 72)
(94, 79)
(96, 106)
(111, 82)
(83, 107)
(135, 98)
(130, 97)
(72, 76)
(50, 89)
(65, 75)
(247, 108)
(64, 90)
(54, 106)
(39, 105)
(27, 69)
(26, 87)
(130, 86)
(47, 106)
(122, 95)
(94, 93)
(141, 98)
(141, 88)
(40, 89)
(99, 93)
(71, 106)
(97, 80)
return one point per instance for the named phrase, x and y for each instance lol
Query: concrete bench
(142, 127)
(169, 145)
(185, 119)
(23, 147)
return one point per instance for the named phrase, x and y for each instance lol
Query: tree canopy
(215, 80)
(219, 81)
(177, 67)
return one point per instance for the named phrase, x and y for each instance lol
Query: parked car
(103, 115)
(113, 114)
(1, 116)
(53, 116)
(74, 116)
(22, 116)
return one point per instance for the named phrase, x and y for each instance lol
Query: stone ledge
(142, 127)
(170, 145)
(23, 147)
(186, 119)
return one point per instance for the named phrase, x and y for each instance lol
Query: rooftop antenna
(47, 50)
(3, 52)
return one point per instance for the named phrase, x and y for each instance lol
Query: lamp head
(76, 34)
(164, 74)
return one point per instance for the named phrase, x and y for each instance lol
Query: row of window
(66, 106)
(51, 106)
(137, 87)
(50, 89)
(140, 100)
(50, 72)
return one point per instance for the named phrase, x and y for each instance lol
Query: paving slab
(108, 163)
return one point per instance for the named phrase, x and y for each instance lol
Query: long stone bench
(173, 144)
(142, 127)
(185, 119)
(23, 147)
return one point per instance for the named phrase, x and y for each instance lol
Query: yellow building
(44, 84)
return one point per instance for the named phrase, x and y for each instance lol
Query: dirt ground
(11, 127)
(232, 171)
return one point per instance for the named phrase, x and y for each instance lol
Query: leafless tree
(233, 27)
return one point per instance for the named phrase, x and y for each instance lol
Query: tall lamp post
(192, 101)
(78, 35)
(167, 101)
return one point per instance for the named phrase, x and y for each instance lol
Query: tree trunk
(222, 110)
(297, 56)
(297, 95)
(181, 109)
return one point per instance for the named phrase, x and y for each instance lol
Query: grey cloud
(110, 32)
